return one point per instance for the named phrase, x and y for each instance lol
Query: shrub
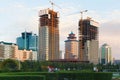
(9, 65)
(22, 77)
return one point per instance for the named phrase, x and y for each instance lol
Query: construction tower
(48, 35)
(88, 31)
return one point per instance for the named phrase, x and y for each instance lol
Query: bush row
(22, 77)
(58, 76)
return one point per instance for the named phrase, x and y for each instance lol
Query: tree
(30, 66)
(9, 65)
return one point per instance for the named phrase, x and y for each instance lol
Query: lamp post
(19, 64)
(18, 61)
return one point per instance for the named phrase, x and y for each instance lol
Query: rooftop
(7, 43)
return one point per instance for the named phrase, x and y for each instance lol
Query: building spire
(71, 32)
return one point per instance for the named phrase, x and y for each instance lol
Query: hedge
(58, 76)
(22, 77)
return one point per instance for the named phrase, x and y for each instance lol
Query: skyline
(18, 16)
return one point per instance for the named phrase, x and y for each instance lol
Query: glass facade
(27, 41)
(106, 56)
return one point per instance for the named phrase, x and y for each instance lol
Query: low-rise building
(11, 51)
(7, 50)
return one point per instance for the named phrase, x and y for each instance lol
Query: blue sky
(17, 16)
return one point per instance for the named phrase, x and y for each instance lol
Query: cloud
(1, 10)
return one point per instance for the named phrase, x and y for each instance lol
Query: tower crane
(53, 4)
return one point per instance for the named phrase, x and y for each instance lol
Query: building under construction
(48, 35)
(88, 39)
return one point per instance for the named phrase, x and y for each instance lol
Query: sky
(16, 16)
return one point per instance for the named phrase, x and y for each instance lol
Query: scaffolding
(87, 31)
(50, 18)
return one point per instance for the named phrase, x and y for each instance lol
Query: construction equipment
(53, 4)
(82, 13)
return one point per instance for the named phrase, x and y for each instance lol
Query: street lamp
(19, 61)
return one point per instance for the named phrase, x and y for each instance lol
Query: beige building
(23, 55)
(71, 47)
(10, 50)
(91, 51)
(7, 50)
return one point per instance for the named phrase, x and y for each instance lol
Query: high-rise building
(71, 47)
(88, 34)
(106, 55)
(27, 41)
(48, 35)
